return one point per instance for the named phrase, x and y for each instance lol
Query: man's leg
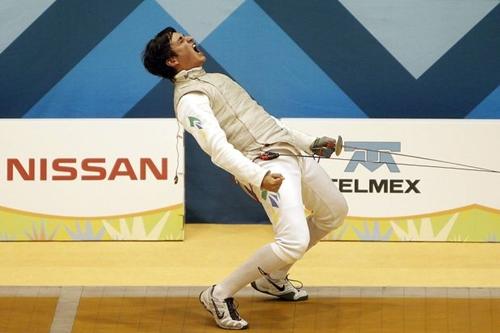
(321, 196)
(326, 202)
(286, 212)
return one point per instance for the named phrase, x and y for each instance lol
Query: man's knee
(341, 212)
(335, 218)
(292, 247)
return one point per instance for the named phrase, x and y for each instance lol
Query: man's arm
(197, 117)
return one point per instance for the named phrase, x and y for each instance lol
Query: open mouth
(196, 49)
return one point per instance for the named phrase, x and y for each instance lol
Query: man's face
(187, 55)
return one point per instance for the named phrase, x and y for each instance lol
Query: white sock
(265, 258)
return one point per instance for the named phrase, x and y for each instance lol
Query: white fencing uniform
(237, 132)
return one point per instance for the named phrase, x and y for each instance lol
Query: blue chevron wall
(341, 59)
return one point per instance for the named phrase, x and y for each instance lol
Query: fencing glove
(323, 147)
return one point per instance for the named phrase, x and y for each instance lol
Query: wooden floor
(211, 252)
(171, 310)
(26, 314)
(469, 303)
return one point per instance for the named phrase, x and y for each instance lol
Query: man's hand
(272, 182)
(324, 146)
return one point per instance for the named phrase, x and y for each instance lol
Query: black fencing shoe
(282, 288)
(224, 312)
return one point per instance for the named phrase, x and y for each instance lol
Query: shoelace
(233, 309)
(299, 285)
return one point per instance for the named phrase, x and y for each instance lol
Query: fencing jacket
(229, 125)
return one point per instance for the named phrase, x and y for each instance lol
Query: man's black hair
(156, 53)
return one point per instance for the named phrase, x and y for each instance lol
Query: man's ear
(172, 61)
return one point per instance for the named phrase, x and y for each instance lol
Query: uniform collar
(189, 74)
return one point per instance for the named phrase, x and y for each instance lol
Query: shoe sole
(285, 297)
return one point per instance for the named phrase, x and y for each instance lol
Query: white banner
(90, 168)
(383, 189)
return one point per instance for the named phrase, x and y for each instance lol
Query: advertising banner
(93, 179)
(390, 198)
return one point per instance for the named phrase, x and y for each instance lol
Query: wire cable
(422, 158)
(394, 163)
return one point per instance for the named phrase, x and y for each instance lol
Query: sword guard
(339, 145)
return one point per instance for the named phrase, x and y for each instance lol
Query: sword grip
(268, 155)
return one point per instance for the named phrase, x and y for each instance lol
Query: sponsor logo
(375, 156)
(274, 198)
(348, 185)
(268, 278)
(372, 155)
(195, 122)
(92, 168)
(220, 315)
